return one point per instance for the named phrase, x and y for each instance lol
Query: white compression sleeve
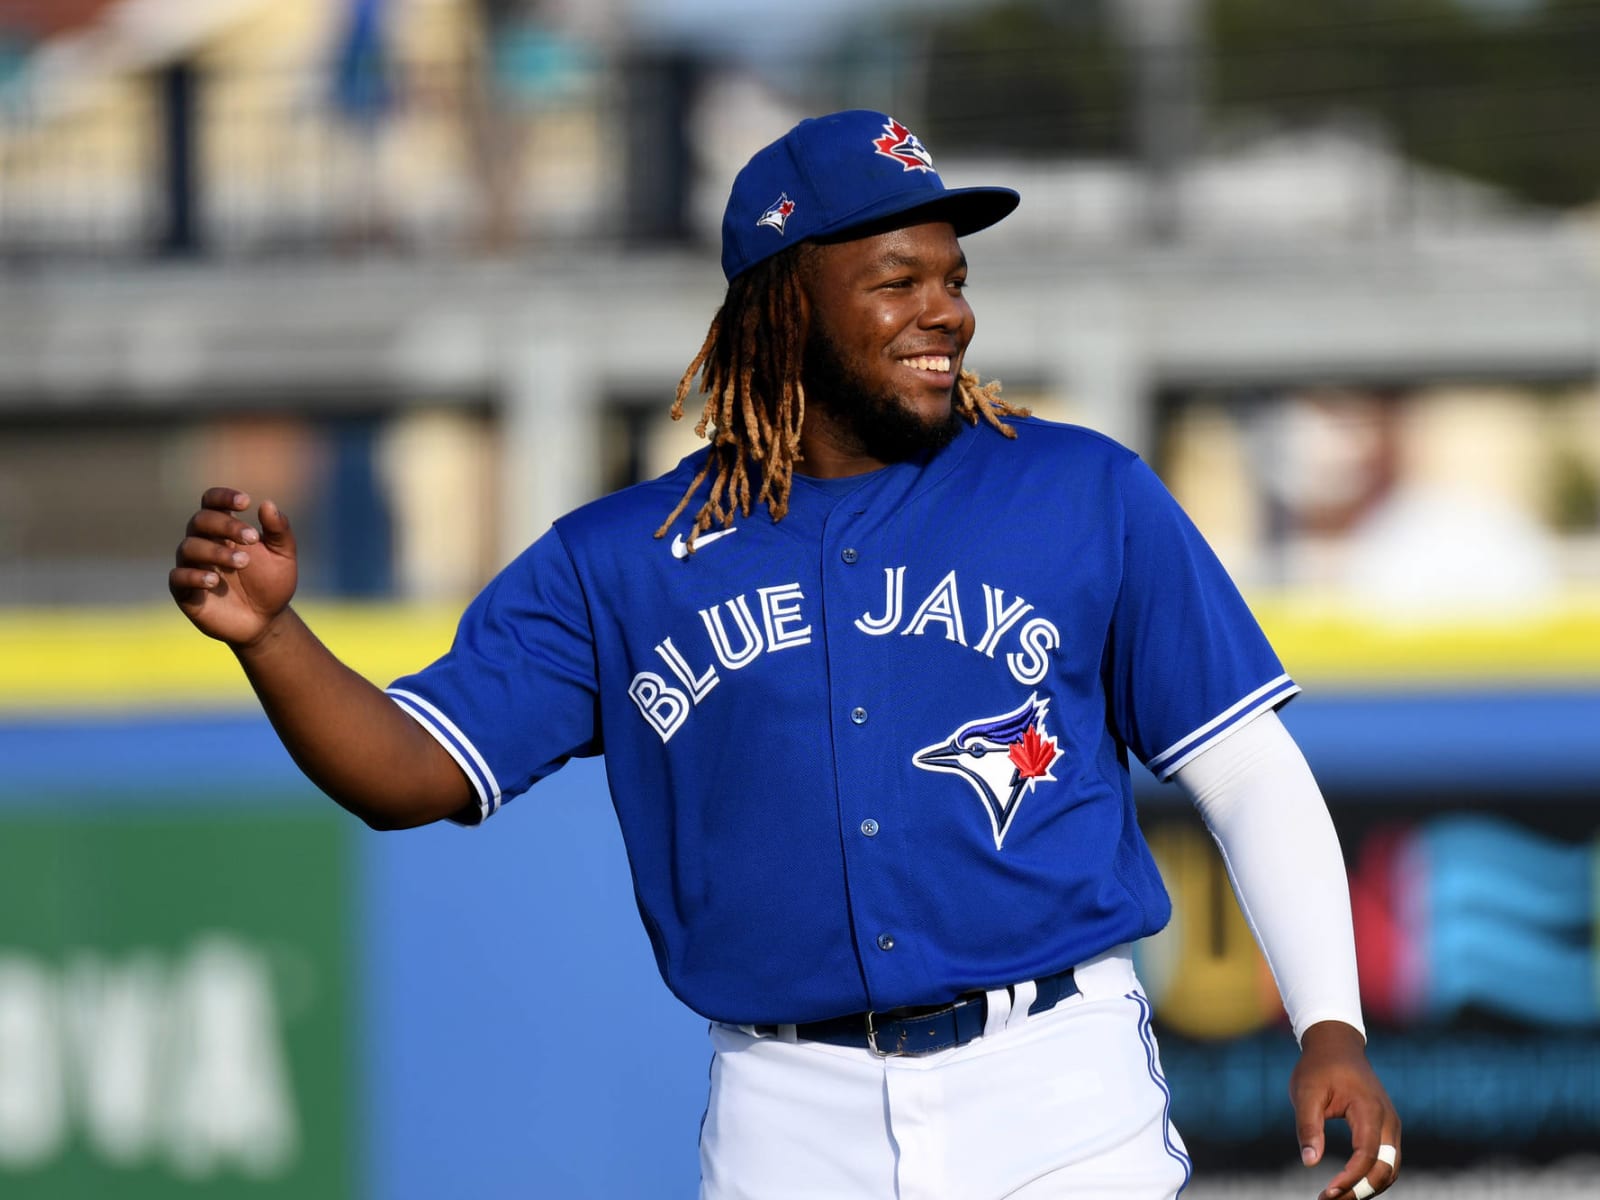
(1258, 798)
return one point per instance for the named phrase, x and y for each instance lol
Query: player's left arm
(1262, 805)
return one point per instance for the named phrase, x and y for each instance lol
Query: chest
(774, 620)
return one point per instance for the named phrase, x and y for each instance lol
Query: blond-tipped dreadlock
(749, 367)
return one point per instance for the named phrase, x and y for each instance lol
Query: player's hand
(233, 579)
(1334, 1079)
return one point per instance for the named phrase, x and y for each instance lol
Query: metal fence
(186, 160)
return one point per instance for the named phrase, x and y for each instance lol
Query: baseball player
(867, 672)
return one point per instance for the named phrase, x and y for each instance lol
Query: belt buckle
(872, 1040)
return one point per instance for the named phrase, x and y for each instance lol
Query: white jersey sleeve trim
(1267, 696)
(457, 744)
(1258, 798)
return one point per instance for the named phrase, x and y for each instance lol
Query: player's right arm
(234, 581)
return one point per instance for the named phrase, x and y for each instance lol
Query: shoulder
(1038, 435)
(1052, 451)
(633, 514)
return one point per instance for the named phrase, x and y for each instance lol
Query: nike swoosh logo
(680, 548)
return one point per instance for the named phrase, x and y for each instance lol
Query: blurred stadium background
(426, 271)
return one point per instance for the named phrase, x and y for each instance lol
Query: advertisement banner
(175, 996)
(1476, 931)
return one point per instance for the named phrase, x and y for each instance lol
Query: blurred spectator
(364, 92)
(1460, 535)
(519, 65)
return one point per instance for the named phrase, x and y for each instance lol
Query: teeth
(929, 362)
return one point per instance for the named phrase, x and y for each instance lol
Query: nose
(944, 309)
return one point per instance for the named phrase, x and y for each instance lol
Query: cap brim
(967, 209)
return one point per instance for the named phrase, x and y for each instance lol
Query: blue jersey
(874, 754)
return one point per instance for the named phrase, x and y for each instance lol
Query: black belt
(923, 1030)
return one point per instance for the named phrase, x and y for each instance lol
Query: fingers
(1377, 1177)
(232, 579)
(181, 580)
(225, 499)
(1308, 1124)
(217, 541)
(1364, 1175)
(275, 530)
(215, 536)
(1373, 1165)
(1388, 1160)
(1382, 1169)
(221, 552)
(203, 560)
(218, 521)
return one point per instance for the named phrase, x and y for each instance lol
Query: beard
(878, 424)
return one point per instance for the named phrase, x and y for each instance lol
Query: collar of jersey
(838, 487)
(926, 473)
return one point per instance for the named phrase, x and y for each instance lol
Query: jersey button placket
(874, 899)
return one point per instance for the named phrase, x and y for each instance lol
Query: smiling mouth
(928, 362)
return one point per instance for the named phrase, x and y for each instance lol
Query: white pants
(1069, 1103)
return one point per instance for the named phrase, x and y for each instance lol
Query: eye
(957, 285)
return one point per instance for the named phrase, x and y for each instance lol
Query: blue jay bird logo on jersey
(777, 216)
(1002, 759)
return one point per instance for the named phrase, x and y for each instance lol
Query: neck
(832, 447)
(826, 453)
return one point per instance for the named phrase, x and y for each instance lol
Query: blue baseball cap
(831, 174)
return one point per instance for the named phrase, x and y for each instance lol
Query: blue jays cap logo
(778, 214)
(1002, 759)
(900, 144)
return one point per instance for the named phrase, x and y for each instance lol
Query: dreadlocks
(749, 367)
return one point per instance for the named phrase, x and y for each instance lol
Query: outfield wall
(215, 983)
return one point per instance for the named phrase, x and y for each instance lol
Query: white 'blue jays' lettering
(737, 638)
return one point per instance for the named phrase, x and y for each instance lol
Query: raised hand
(233, 579)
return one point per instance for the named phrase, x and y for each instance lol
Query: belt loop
(999, 1005)
(1026, 993)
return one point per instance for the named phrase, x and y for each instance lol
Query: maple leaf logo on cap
(900, 144)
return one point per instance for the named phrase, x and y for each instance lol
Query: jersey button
(858, 715)
(849, 554)
(886, 941)
(869, 827)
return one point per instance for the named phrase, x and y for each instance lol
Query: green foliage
(1053, 70)
(1035, 79)
(1503, 93)
(1506, 96)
